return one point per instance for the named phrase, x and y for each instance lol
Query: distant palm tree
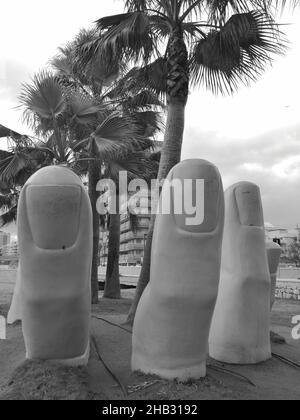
(139, 164)
(183, 43)
(21, 159)
(103, 79)
(78, 129)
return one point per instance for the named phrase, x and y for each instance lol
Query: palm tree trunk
(171, 155)
(178, 88)
(177, 95)
(112, 284)
(94, 195)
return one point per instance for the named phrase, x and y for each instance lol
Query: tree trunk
(112, 284)
(94, 175)
(178, 88)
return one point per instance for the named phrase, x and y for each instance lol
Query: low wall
(288, 289)
(289, 273)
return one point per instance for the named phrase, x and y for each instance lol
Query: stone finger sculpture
(240, 332)
(171, 328)
(274, 253)
(55, 242)
(15, 311)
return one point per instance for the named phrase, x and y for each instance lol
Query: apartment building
(10, 251)
(4, 239)
(133, 234)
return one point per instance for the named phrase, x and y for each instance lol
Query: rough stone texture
(170, 335)
(55, 240)
(240, 332)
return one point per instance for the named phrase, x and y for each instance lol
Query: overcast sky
(253, 136)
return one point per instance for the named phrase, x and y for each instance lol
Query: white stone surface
(55, 240)
(240, 332)
(170, 334)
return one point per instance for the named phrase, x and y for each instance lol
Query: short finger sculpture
(274, 253)
(240, 331)
(170, 334)
(55, 241)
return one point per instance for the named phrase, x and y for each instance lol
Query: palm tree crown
(215, 43)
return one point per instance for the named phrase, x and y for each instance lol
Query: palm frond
(136, 164)
(115, 137)
(128, 35)
(152, 77)
(117, 128)
(220, 10)
(239, 52)
(6, 132)
(137, 5)
(11, 167)
(42, 99)
(5, 154)
(148, 122)
(83, 109)
(62, 65)
(9, 217)
(144, 99)
(7, 201)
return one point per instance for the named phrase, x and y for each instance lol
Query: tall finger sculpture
(274, 253)
(170, 334)
(240, 331)
(55, 241)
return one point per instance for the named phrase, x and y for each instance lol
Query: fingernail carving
(241, 321)
(55, 242)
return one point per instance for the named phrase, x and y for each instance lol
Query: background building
(9, 253)
(133, 242)
(133, 236)
(283, 236)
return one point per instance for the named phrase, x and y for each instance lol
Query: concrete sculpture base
(274, 253)
(76, 361)
(170, 334)
(240, 332)
(55, 242)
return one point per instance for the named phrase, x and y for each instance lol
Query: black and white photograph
(150, 203)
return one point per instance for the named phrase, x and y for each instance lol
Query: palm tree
(102, 78)
(139, 164)
(17, 164)
(76, 125)
(183, 43)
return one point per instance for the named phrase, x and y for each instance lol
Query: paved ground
(128, 275)
(111, 349)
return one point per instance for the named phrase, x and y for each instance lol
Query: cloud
(271, 160)
(234, 133)
(13, 74)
